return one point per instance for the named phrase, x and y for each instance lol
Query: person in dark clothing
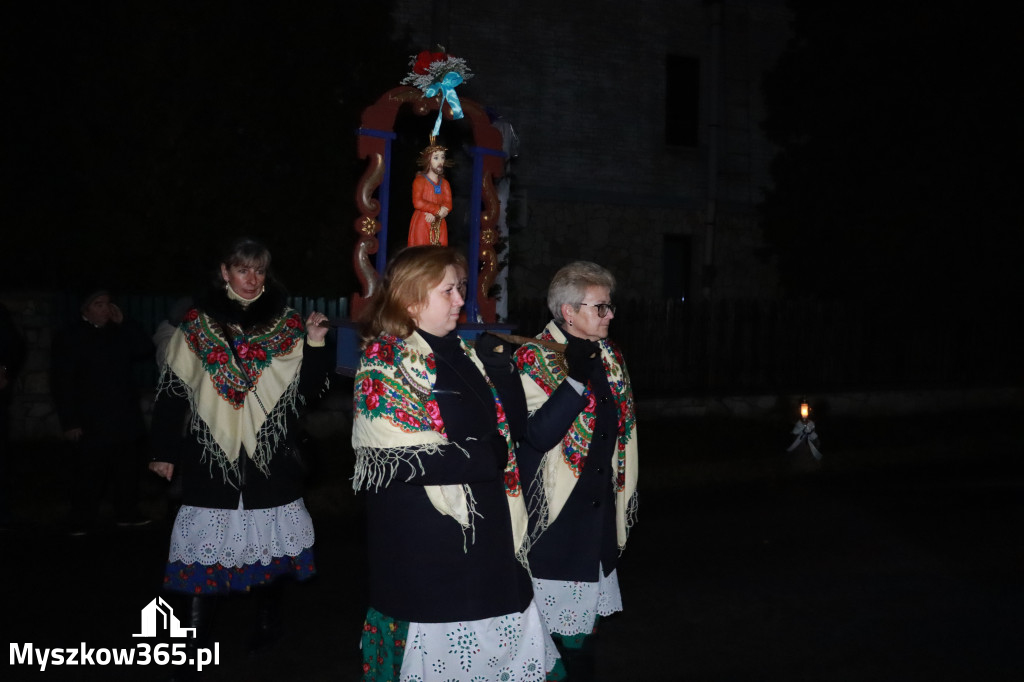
(93, 386)
(579, 460)
(225, 420)
(12, 358)
(434, 421)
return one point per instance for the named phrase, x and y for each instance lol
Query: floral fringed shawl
(397, 422)
(225, 416)
(542, 371)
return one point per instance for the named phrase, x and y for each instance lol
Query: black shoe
(78, 531)
(269, 621)
(134, 522)
(200, 613)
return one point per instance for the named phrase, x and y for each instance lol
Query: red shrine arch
(376, 134)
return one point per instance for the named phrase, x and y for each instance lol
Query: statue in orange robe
(431, 199)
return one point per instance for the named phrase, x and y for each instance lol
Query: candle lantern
(804, 431)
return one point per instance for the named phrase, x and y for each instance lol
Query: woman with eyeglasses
(578, 460)
(433, 425)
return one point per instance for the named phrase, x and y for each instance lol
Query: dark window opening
(682, 100)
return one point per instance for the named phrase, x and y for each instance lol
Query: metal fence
(738, 346)
(741, 346)
(149, 310)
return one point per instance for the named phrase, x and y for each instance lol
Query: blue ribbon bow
(446, 86)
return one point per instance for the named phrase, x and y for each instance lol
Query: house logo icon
(157, 617)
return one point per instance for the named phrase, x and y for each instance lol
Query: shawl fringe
(377, 467)
(398, 375)
(272, 433)
(537, 507)
(539, 510)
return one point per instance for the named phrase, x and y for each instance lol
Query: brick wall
(583, 85)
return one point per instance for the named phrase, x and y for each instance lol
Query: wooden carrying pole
(520, 340)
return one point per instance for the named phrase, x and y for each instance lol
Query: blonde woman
(450, 596)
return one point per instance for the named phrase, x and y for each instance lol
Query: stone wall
(33, 416)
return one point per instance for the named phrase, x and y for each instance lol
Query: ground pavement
(897, 557)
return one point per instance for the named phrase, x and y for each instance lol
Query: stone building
(638, 129)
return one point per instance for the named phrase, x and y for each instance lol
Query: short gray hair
(570, 284)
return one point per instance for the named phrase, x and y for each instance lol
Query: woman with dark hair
(434, 421)
(225, 419)
(579, 460)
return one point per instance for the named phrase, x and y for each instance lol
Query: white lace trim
(516, 647)
(240, 537)
(571, 607)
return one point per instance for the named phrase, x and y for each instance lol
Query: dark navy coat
(422, 566)
(583, 536)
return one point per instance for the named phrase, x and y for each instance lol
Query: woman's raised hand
(316, 326)
(582, 356)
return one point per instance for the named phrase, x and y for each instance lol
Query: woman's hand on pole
(162, 469)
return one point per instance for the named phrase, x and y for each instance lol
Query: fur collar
(260, 314)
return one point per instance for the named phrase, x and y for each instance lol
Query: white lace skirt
(516, 647)
(240, 537)
(571, 607)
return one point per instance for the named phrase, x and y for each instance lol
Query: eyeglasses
(602, 308)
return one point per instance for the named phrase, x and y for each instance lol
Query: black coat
(203, 483)
(583, 535)
(92, 379)
(423, 567)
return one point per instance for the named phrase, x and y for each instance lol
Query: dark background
(139, 136)
(901, 133)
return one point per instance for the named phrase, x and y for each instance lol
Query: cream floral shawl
(542, 371)
(397, 422)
